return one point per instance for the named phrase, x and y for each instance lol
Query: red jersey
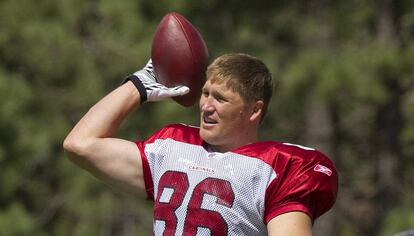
(200, 192)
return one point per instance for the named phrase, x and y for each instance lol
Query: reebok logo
(323, 169)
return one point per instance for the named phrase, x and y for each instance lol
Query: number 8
(196, 216)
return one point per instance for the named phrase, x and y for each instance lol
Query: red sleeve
(149, 185)
(306, 183)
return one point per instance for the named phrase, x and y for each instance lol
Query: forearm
(104, 118)
(290, 224)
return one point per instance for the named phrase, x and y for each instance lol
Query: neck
(238, 141)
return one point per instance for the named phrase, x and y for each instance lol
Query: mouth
(209, 121)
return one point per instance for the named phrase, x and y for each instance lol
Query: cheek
(235, 120)
(230, 113)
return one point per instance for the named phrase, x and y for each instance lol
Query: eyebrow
(219, 95)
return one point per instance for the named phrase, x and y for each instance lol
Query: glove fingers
(161, 94)
(181, 90)
(174, 92)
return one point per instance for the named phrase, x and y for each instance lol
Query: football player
(215, 179)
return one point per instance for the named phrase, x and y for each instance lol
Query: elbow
(74, 147)
(69, 146)
(78, 150)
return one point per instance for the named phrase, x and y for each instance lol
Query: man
(217, 179)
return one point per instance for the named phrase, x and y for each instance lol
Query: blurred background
(344, 72)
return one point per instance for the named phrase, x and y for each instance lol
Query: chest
(199, 190)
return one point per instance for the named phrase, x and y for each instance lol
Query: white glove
(148, 87)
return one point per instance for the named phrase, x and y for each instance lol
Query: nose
(206, 104)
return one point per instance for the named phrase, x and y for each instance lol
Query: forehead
(218, 85)
(221, 89)
(224, 86)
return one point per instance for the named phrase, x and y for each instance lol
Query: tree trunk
(388, 124)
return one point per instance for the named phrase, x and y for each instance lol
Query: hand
(148, 87)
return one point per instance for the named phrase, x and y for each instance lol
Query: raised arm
(91, 144)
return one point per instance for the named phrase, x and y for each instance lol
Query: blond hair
(244, 74)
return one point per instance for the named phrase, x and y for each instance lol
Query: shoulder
(307, 180)
(301, 155)
(178, 132)
(283, 155)
(297, 161)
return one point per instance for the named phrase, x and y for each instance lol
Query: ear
(257, 110)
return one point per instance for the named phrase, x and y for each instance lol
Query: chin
(207, 136)
(203, 134)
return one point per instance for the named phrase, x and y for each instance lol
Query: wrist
(134, 94)
(139, 86)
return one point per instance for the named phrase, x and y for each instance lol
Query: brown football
(180, 56)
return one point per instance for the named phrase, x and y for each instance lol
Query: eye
(220, 98)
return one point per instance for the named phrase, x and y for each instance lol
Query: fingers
(149, 68)
(181, 90)
(162, 93)
(174, 92)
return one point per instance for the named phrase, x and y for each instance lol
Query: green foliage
(398, 220)
(16, 213)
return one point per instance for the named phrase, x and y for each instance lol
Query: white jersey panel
(248, 177)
